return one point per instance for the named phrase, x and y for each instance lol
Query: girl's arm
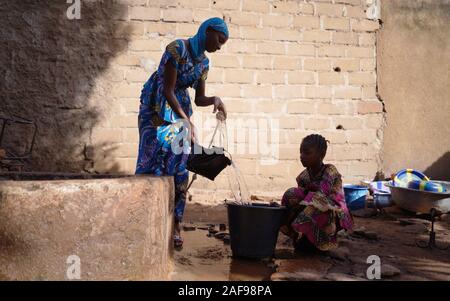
(329, 194)
(298, 180)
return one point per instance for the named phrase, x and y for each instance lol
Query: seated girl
(317, 208)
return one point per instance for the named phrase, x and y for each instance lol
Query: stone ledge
(119, 227)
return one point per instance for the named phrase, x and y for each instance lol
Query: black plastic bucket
(254, 229)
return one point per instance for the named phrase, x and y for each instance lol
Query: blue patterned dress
(158, 127)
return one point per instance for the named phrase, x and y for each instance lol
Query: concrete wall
(120, 228)
(308, 65)
(414, 75)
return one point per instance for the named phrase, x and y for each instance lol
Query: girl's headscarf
(198, 41)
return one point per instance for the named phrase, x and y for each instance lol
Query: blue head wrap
(198, 41)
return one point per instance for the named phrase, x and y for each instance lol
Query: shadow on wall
(440, 170)
(48, 70)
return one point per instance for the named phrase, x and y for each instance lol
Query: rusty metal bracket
(431, 243)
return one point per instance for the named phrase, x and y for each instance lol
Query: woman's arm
(203, 101)
(170, 79)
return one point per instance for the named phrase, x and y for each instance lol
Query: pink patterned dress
(318, 207)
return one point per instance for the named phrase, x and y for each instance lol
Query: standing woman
(165, 102)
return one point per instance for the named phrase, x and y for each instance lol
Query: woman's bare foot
(177, 240)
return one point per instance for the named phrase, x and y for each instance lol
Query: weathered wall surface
(56, 71)
(308, 65)
(414, 76)
(119, 228)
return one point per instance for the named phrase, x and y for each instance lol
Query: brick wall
(310, 66)
(282, 61)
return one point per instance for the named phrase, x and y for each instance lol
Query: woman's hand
(192, 133)
(219, 106)
(202, 101)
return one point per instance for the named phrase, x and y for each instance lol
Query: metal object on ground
(426, 202)
(422, 201)
(382, 200)
(431, 243)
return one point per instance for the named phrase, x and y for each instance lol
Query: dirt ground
(391, 234)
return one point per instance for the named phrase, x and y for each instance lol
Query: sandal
(177, 241)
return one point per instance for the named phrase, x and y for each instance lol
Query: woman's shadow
(52, 72)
